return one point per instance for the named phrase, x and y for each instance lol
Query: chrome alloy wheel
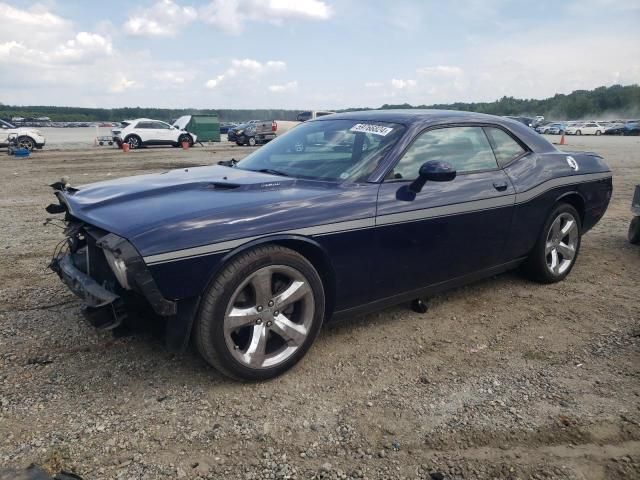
(269, 316)
(561, 244)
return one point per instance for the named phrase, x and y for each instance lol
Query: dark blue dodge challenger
(341, 216)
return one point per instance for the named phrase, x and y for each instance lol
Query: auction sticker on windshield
(369, 128)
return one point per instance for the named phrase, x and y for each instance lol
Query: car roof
(145, 120)
(426, 117)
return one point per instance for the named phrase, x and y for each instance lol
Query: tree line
(615, 101)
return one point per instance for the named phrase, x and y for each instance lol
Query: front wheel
(556, 250)
(251, 141)
(261, 314)
(579, 132)
(26, 142)
(185, 138)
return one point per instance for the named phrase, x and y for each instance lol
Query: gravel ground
(501, 379)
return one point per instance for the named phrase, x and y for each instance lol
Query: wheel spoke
(294, 292)
(568, 227)
(548, 247)
(292, 332)
(555, 264)
(566, 251)
(555, 228)
(261, 284)
(240, 317)
(255, 353)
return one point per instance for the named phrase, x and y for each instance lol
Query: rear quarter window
(505, 147)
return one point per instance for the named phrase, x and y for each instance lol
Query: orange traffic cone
(562, 140)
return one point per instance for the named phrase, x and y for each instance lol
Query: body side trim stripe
(446, 210)
(231, 244)
(383, 220)
(544, 187)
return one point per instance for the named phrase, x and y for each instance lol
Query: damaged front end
(108, 273)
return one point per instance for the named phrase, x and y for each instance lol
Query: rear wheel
(556, 250)
(578, 132)
(261, 314)
(598, 133)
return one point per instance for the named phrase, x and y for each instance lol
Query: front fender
(191, 277)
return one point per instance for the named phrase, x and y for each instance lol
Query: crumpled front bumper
(84, 268)
(103, 308)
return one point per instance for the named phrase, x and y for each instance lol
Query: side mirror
(435, 171)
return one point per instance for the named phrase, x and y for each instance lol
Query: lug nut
(276, 313)
(259, 308)
(269, 323)
(259, 321)
(271, 303)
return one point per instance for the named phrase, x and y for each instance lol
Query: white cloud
(121, 84)
(214, 82)
(400, 84)
(247, 68)
(284, 87)
(445, 70)
(373, 84)
(232, 15)
(170, 78)
(83, 45)
(163, 19)
(34, 26)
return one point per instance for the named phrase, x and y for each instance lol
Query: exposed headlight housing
(239, 132)
(118, 267)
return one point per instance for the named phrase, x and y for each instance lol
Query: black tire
(185, 138)
(26, 142)
(208, 334)
(134, 142)
(634, 231)
(578, 132)
(535, 267)
(251, 141)
(239, 143)
(598, 133)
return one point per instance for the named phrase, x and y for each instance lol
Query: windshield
(326, 150)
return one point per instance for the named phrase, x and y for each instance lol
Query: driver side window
(467, 149)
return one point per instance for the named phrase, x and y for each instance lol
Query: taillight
(274, 126)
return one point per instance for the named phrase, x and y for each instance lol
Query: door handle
(500, 186)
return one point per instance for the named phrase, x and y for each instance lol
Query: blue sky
(311, 53)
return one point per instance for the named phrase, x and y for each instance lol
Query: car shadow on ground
(139, 354)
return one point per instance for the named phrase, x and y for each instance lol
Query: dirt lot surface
(501, 379)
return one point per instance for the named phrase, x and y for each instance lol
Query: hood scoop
(220, 186)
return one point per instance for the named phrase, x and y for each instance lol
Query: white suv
(145, 131)
(28, 138)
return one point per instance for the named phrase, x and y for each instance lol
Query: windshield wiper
(273, 172)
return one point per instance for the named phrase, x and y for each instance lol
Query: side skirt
(424, 292)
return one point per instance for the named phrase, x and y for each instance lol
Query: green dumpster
(205, 127)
